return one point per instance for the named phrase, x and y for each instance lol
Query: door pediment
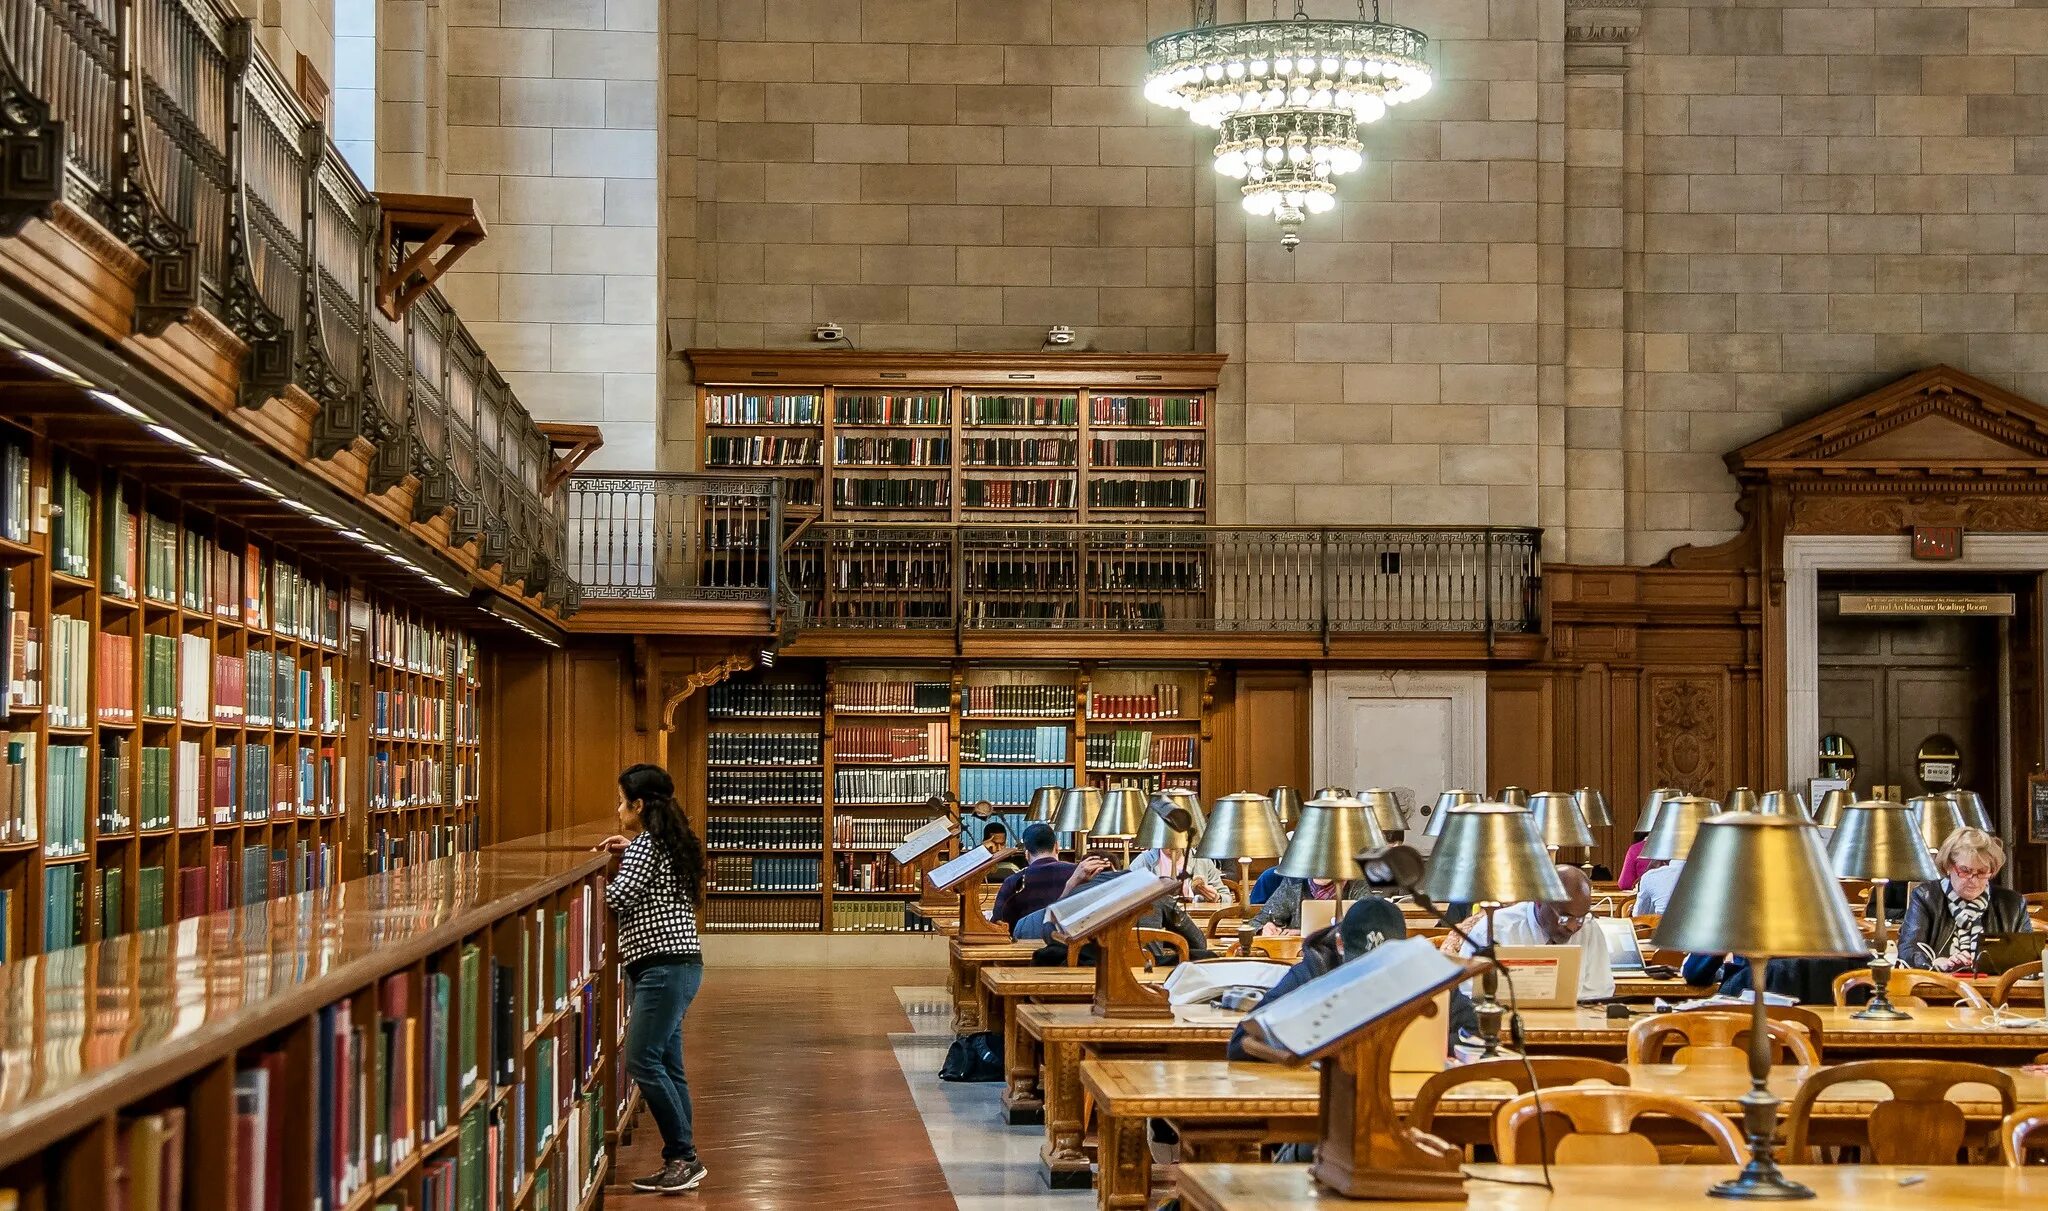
(1938, 423)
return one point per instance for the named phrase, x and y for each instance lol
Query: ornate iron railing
(706, 537)
(163, 121)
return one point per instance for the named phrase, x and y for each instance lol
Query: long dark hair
(664, 820)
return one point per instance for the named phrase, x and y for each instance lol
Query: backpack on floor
(974, 1057)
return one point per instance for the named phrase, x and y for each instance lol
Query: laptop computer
(1999, 953)
(1321, 914)
(1624, 952)
(1540, 977)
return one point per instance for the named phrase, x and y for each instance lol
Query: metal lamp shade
(1079, 806)
(1784, 803)
(1558, 820)
(1174, 799)
(1936, 816)
(1241, 826)
(1880, 840)
(1045, 803)
(1829, 813)
(1647, 818)
(1157, 832)
(1758, 885)
(1121, 814)
(1513, 796)
(1593, 806)
(1678, 822)
(1491, 853)
(1741, 799)
(1328, 839)
(1384, 808)
(1445, 802)
(1974, 814)
(1286, 803)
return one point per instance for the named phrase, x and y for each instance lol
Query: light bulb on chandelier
(1287, 98)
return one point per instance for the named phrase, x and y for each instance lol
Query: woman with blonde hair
(1946, 920)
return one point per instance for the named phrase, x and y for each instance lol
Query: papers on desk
(1199, 983)
(1720, 1002)
(924, 839)
(1335, 1005)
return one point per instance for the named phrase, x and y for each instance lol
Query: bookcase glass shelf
(178, 731)
(877, 749)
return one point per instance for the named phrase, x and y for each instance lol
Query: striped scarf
(1968, 916)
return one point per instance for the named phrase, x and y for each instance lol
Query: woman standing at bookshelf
(654, 894)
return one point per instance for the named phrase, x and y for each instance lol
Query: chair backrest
(2001, 992)
(2036, 899)
(1714, 1037)
(1646, 924)
(1167, 937)
(2024, 1129)
(1907, 985)
(1918, 1125)
(1549, 1071)
(1595, 1126)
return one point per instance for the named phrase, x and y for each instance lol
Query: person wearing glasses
(1533, 924)
(1946, 920)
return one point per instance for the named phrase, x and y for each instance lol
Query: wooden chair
(2022, 1130)
(2036, 901)
(1906, 986)
(1550, 1072)
(1918, 1126)
(1598, 1127)
(1715, 1037)
(1172, 940)
(2001, 992)
(1647, 924)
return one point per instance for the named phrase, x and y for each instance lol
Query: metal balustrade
(163, 121)
(680, 537)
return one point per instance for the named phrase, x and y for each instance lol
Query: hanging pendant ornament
(1287, 98)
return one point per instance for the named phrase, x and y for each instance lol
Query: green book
(466, 1025)
(469, 1157)
(111, 888)
(149, 897)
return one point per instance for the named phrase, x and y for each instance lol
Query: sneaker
(673, 1178)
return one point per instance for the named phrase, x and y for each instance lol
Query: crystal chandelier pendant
(1287, 98)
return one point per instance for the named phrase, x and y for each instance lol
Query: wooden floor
(799, 1099)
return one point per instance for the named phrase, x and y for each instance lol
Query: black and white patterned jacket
(657, 921)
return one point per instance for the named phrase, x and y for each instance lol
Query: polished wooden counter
(86, 1030)
(1626, 1188)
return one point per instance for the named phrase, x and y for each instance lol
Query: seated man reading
(1043, 879)
(1533, 924)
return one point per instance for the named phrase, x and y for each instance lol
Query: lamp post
(1490, 854)
(1758, 886)
(1880, 841)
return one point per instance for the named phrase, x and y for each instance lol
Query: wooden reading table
(1225, 1110)
(1625, 1187)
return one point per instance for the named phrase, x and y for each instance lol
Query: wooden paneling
(1266, 738)
(598, 734)
(562, 727)
(1521, 749)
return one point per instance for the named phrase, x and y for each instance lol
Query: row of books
(886, 409)
(15, 497)
(1151, 493)
(869, 832)
(1127, 748)
(392, 847)
(996, 700)
(71, 498)
(397, 781)
(407, 643)
(70, 668)
(890, 451)
(177, 677)
(1019, 452)
(910, 572)
(1019, 409)
(764, 874)
(875, 916)
(1164, 702)
(1055, 493)
(894, 697)
(891, 786)
(759, 913)
(399, 715)
(1148, 782)
(760, 408)
(794, 786)
(468, 713)
(1010, 787)
(268, 689)
(783, 700)
(1046, 743)
(181, 565)
(891, 493)
(24, 682)
(1049, 575)
(871, 874)
(764, 832)
(64, 797)
(1141, 411)
(1148, 452)
(763, 748)
(880, 742)
(763, 450)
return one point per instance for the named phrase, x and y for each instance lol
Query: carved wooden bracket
(678, 685)
(432, 223)
(569, 445)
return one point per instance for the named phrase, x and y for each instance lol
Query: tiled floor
(818, 1088)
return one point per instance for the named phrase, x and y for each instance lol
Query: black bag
(974, 1057)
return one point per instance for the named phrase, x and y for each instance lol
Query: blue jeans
(654, 1051)
(1030, 927)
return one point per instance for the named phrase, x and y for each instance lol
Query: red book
(191, 891)
(273, 1170)
(252, 587)
(217, 880)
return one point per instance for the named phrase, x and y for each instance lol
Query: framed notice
(2037, 807)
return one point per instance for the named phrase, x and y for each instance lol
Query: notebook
(1540, 977)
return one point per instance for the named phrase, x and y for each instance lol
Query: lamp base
(1760, 1181)
(1875, 1012)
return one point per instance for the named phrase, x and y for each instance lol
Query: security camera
(828, 332)
(1059, 334)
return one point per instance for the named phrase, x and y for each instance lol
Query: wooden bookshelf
(182, 731)
(452, 1011)
(829, 764)
(982, 437)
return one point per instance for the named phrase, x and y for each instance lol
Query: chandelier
(1287, 98)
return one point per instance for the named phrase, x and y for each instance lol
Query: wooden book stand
(1119, 993)
(975, 929)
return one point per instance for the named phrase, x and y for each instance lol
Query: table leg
(1021, 1101)
(962, 976)
(1066, 1163)
(1123, 1175)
